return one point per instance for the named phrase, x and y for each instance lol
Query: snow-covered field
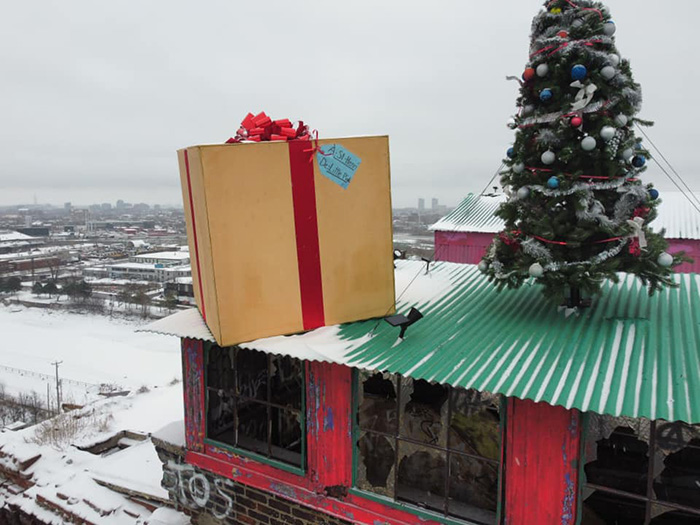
(92, 349)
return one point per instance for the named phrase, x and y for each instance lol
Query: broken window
(429, 445)
(255, 402)
(641, 472)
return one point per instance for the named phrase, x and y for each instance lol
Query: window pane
(220, 367)
(220, 416)
(286, 436)
(677, 467)
(375, 464)
(662, 515)
(252, 426)
(473, 489)
(287, 381)
(475, 427)
(424, 411)
(377, 403)
(603, 508)
(622, 462)
(422, 472)
(251, 369)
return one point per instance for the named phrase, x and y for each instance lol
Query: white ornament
(627, 154)
(665, 259)
(621, 120)
(548, 157)
(607, 133)
(519, 167)
(527, 110)
(584, 96)
(511, 123)
(523, 193)
(615, 60)
(608, 72)
(609, 28)
(588, 144)
(542, 70)
(483, 266)
(536, 270)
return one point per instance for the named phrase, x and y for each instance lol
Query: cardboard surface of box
(279, 246)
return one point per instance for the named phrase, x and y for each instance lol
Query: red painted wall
(469, 248)
(542, 454)
(461, 247)
(691, 247)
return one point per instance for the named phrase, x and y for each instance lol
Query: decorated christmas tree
(577, 210)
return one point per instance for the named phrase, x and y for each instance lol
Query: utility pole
(58, 388)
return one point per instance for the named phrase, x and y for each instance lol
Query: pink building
(464, 234)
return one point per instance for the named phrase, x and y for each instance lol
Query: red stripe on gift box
(194, 236)
(306, 227)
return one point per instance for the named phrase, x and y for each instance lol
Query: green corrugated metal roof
(630, 354)
(474, 214)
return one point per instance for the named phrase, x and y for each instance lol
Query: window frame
(273, 462)
(406, 506)
(647, 498)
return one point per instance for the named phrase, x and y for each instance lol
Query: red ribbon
(597, 177)
(562, 243)
(316, 148)
(556, 49)
(306, 229)
(194, 237)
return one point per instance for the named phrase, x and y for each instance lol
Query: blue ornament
(553, 183)
(510, 153)
(579, 72)
(638, 161)
(546, 95)
(654, 194)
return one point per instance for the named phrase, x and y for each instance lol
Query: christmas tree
(577, 211)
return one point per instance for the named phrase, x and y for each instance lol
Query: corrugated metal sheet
(630, 354)
(474, 214)
(678, 215)
(187, 323)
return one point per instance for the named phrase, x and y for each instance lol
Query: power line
(493, 178)
(692, 194)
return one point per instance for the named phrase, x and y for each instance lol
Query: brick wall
(212, 499)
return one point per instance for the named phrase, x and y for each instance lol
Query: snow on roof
(15, 236)
(678, 215)
(88, 486)
(173, 256)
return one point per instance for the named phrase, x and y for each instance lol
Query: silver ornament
(518, 168)
(483, 266)
(542, 70)
(577, 23)
(607, 133)
(665, 259)
(609, 28)
(627, 154)
(588, 144)
(523, 193)
(527, 110)
(548, 157)
(536, 270)
(608, 72)
(511, 123)
(615, 60)
(621, 120)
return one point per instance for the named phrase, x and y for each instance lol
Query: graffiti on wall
(197, 490)
(194, 365)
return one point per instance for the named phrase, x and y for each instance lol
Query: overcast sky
(95, 97)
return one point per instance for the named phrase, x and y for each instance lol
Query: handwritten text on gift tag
(337, 163)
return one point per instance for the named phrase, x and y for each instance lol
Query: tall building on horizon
(435, 205)
(421, 204)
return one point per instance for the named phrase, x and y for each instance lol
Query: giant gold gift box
(277, 246)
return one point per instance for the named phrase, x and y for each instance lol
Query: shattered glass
(377, 403)
(421, 479)
(424, 412)
(376, 464)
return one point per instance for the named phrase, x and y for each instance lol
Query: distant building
(434, 206)
(158, 267)
(421, 204)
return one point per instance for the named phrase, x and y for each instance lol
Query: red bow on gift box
(260, 127)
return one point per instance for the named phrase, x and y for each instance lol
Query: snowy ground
(92, 349)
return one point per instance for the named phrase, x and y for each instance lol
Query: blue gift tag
(337, 163)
